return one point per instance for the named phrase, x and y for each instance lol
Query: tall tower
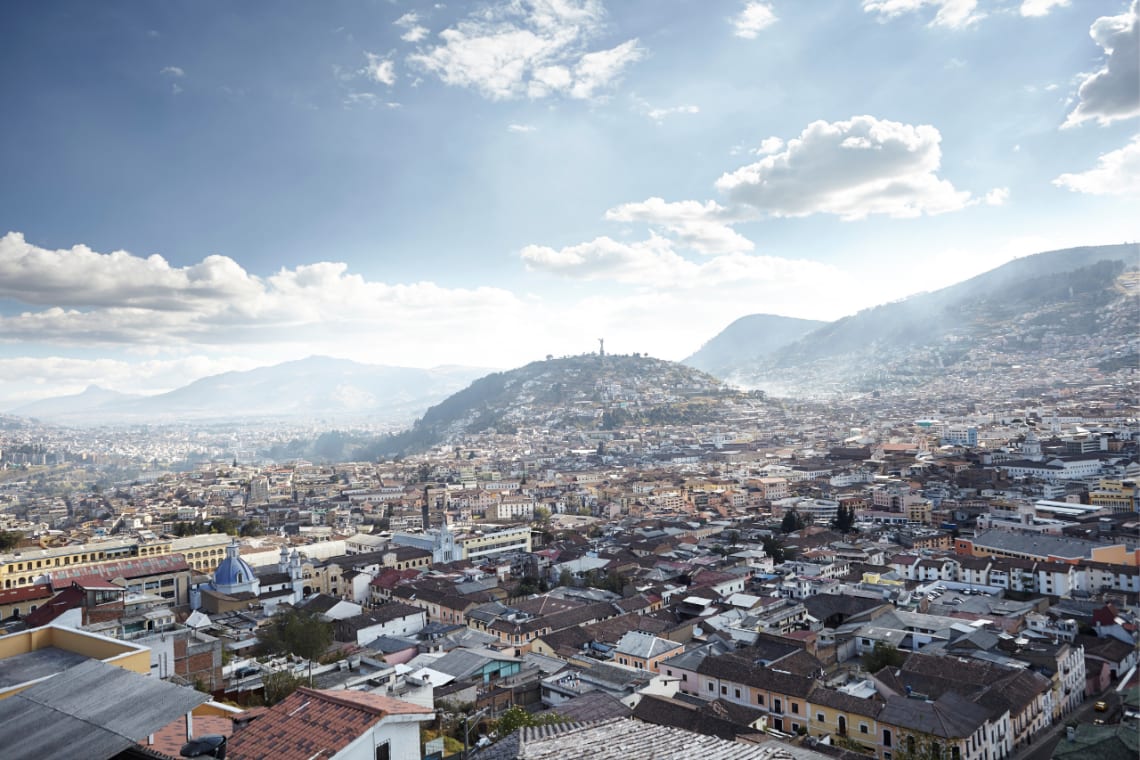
(601, 346)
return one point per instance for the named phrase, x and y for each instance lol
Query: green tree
(297, 632)
(844, 521)
(278, 685)
(792, 521)
(774, 548)
(541, 515)
(251, 528)
(882, 656)
(10, 539)
(566, 578)
(516, 717)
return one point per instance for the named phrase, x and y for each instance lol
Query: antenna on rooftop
(601, 346)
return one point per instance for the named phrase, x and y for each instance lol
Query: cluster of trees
(516, 717)
(10, 539)
(226, 525)
(882, 656)
(296, 632)
(844, 521)
(792, 521)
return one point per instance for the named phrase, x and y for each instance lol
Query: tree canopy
(297, 632)
(792, 521)
(882, 656)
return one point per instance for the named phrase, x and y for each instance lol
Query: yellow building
(1115, 495)
(27, 566)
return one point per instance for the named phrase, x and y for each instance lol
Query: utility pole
(467, 729)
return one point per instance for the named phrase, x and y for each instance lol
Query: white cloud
(1115, 173)
(120, 299)
(521, 128)
(703, 227)
(769, 145)
(753, 19)
(378, 69)
(852, 169)
(660, 114)
(361, 99)
(173, 71)
(596, 70)
(529, 48)
(997, 197)
(410, 21)
(952, 14)
(653, 263)
(1113, 92)
(1036, 8)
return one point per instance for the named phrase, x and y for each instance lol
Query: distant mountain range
(1048, 318)
(1077, 305)
(753, 336)
(316, 387)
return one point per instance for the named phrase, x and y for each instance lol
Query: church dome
(233, 571)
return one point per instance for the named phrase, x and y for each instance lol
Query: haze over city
(200, 188)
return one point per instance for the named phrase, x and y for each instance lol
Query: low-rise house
(339, 725)
(644, 651)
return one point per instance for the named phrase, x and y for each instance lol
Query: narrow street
(1043, 746)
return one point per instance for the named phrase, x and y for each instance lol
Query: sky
(193, 187)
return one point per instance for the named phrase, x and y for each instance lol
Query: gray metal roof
(626, 739)
(93, 710)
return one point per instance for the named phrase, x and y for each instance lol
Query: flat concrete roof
(30, 666)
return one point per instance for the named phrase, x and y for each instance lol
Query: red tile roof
(310, 721)
(169, 739)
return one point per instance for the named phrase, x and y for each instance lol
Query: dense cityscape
(559, 379)
(873, 576)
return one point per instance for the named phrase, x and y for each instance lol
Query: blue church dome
(233, 571)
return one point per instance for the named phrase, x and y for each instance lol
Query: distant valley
(336, 390)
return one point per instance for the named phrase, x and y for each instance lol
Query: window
(384, 751)
(759, 699)
(863, 728)
(886, 737)
(668, 672)
(737, 693)
(724, 690)
(711, 687)
(795, 708)
(777, 705)
(684, 676)
(820, 718)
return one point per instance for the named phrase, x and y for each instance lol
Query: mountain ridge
(314, 386)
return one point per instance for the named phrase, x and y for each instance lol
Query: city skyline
(209, 188)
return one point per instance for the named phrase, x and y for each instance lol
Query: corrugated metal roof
(626, 739)
(93, 710)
